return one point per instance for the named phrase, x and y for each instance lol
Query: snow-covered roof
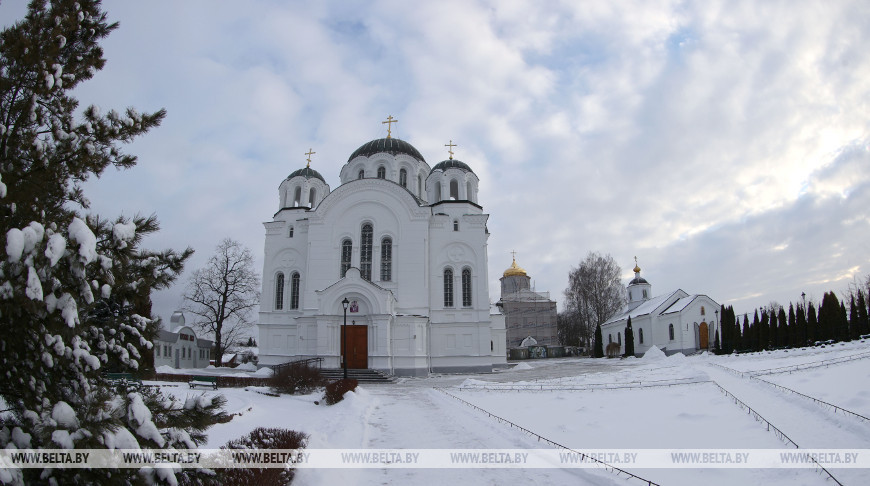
(680, 304)
(684, 302)
(642, 308)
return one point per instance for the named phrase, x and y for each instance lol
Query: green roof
(308, 173)
(392, 146)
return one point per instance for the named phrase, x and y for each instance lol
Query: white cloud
(723, 143)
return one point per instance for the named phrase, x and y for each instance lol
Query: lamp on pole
(344, 303)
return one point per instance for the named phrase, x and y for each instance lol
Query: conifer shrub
(296, 378)
(263, 439)
(335, 391)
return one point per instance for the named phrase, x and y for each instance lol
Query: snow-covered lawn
(414, 414)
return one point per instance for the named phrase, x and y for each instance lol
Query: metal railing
(585, 457)
(834, 408)
(581, 387)
(810, 365)
(305, 361)
(770, 427)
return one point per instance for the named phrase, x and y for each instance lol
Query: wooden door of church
(703, 336)
(357, 345)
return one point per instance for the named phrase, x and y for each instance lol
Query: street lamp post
(344, 303)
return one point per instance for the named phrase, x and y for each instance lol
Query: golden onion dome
(636, 269)
(515, 270)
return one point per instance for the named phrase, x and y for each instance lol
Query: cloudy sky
(725, 144)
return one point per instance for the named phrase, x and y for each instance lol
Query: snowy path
(422, 418)
(807, 424)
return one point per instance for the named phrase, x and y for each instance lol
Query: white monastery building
(674, 322)
(179, 347)
(404, 244)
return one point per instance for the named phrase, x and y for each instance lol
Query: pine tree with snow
(803, 332)
(793, 340)
(74, 289)
(782, 329)
(629, 339)
(598, 346)
(854, 324)
(812, 324)
(863, 321)
(746, 338)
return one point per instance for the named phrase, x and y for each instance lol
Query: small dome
(638, 280)
(636, 268)
(308, 173)
(390, 145)
(452, 164)
(515, 270)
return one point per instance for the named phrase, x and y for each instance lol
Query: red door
(357, 345)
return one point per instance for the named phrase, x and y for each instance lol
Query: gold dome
(636, 269)
(515, 270)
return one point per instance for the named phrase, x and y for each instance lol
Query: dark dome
(452, 164)
(392, 146)
(308, 173)
(638, 281)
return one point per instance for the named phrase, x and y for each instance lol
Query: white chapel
(403, 244)
(675, 322)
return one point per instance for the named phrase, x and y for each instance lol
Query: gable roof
(638, 309)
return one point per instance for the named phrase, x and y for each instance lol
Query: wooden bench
(203, 381)
(121, 378)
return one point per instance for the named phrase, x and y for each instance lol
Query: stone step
(362, 376)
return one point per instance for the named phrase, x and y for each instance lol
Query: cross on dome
(389, 123)
(309, 154)
(450, 148)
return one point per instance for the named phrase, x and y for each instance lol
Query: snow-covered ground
(674, 403)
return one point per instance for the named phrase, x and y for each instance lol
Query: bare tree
(223, 293)
(595, 291)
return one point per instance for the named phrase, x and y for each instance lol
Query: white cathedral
(398, 251)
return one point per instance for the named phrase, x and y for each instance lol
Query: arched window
(702, 310)
(468, 191)
(365, 252)
(382, 172)
(290, 232)
(644, 294)
(294, 290)
(455, 225)
(279, 291)
(386, 259)
(420, 186)
(448, 287)
(346, 252)
(619, 338)
(362, 173)
(454, 190)
(311, 195)
(403, 178)
(297, 196)
(671, 332)
(466, 287)
(609, 338)
(640, 335)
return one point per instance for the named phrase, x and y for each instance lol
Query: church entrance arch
(704, 336)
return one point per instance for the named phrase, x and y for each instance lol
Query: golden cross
(450, 148)
(389, 122)
(309, 154)
(635, 261)
(514, 254)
